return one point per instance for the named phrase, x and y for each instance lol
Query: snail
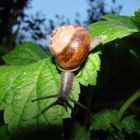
(70, 46)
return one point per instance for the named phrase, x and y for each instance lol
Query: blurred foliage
(97, 8)
(11, 13)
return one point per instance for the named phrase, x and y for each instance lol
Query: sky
(68, 8)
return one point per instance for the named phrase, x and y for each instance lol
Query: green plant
(114, 122)
(30, 73)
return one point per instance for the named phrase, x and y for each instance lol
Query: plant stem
(126, 104)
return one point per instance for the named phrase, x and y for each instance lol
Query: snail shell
(70, 45)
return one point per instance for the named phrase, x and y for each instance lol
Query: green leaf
(25, 54)
(33, 81)
(103, 120)
(4, 133)
(7, 76)
(130, 125)
(136, 17)
(88, 74)
(113, 27)
(79, 133)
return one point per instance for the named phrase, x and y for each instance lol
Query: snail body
(66, 81)
(69, 45)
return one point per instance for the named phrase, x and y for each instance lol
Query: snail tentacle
(46, 97)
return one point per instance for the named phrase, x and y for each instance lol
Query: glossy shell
(70, 45)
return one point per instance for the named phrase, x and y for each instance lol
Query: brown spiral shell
(70, 45)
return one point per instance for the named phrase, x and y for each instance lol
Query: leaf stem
(126, 104)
